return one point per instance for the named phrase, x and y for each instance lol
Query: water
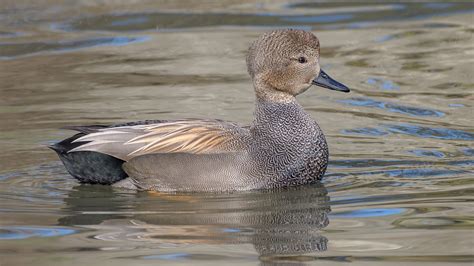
(399, 187)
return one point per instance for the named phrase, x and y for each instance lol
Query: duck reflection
(283, 222)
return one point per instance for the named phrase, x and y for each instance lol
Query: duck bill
(325, 81)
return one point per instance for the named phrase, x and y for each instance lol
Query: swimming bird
(283, 146)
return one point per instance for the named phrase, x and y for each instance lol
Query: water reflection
(13, 50)
(23, 232)
(371, 12)
(400, 176)
(414, 130)
(392, 107)
(277, 222)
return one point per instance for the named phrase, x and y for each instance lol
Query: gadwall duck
(283, 147)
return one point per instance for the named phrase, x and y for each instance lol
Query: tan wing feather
(192, 138)
(185, 136)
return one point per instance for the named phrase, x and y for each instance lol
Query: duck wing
(170, 172)
(192, 136)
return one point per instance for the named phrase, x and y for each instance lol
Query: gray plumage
(283, 147)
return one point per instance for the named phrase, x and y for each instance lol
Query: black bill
(325, 81)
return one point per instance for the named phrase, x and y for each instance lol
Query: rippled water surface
(400, 183)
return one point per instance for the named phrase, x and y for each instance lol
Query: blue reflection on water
(23, 232)
(428, 153)
(231, 230)
(65, 46)
(430, 132)
(413, 130)
(419, 172)
(9, 34)
(170, 256)
(468, 151)
(463, 163)
(364, 213)
(368, 131)
(395, 108)
(383, 84)
(119, 41)
(385, 38)
(334, 19)
(438, 5)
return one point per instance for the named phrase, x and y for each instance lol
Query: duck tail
(88, 166)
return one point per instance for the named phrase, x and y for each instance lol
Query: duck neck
(284, 124)
(286, 141)
(285, 116)
(279, 117)
(266, 92)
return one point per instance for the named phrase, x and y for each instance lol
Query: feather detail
(181, 136)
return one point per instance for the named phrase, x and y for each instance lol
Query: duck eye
(302, 60)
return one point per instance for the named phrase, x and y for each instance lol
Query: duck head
(285, 63)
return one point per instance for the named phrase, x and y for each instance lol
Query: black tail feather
(88, 166)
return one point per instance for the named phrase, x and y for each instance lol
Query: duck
(283, 146)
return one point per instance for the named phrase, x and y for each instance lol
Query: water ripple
(13, 50)
(430, 132)
(391, 107)
(417, 172)
(428, 153)
(369, 212)
(383, 84)
(368, 131)
(334, 19)
(433, 222)
(468, 151)
(23, 232)
(413, 130)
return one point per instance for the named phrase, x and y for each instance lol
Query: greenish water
(400, 183)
